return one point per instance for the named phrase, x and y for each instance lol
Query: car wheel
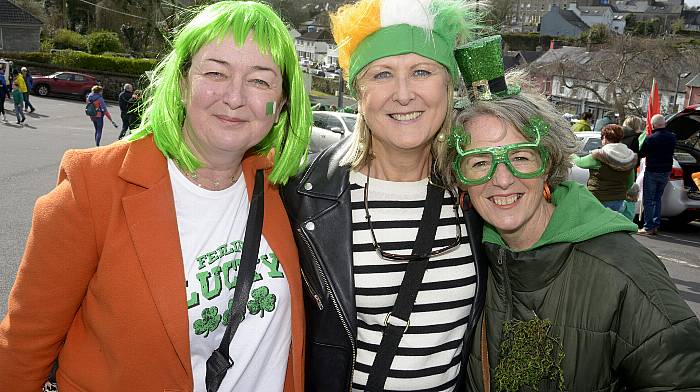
(43, 90)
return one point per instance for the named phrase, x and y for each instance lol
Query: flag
(654, 106)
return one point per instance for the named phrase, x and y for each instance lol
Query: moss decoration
(527, 356)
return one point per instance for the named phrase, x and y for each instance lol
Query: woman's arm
(56, 268)
(587, 162)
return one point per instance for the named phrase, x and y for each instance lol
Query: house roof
(572, 18)
(644, 7)
(695, 82)
(531, 55)
(595, 10)
(14, 15)
(318, 36)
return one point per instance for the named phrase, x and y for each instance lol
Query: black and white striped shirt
(429, 355)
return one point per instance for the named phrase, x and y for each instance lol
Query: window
(64, 76)
(350, 122)
(333, 122)
(592, 144)
(321, 120)
(79, 78)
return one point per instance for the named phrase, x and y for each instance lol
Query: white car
(680, 201)
(329, 127)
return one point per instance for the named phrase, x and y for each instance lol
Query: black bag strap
(397, 321)
(220, 362)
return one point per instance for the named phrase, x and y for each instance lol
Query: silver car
(329, 127)
(681, 199)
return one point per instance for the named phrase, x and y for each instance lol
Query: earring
(441, 137)
(547, 193)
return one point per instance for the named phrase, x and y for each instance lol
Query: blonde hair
(359, 154)
(96, 89)
(634, 122)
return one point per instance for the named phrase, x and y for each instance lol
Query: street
(29, 158)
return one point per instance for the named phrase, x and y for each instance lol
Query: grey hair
(657, 121)
(517, 110)
(359, 154)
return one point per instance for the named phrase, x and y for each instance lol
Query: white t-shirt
(212, 228)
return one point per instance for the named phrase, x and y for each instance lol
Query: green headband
(402, 39)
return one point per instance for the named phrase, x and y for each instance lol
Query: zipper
(315, 296)
(335, 303)
(506, 281)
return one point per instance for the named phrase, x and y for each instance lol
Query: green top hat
(483, 60)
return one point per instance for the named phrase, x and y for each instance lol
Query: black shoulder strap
(219, 362)
(397, 321)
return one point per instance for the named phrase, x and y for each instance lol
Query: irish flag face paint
(270, 108)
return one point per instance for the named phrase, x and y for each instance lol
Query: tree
(103, 41)
(597, 34)
(499, 13)
(619, 74)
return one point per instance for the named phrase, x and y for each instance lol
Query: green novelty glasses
(477, 166)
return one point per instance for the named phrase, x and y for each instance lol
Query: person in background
(29, 81)
(583, 124)
(611, 169)
(608, 118)
(132, 261)
(632, 127)
(378, 230)
(99, 112)
(4, 92)
(18, 100)
(658, 150)
(574, 303)
(124, 97)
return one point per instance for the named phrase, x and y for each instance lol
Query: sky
(692, 2)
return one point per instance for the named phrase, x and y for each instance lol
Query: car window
(79, 78)
(350, 122)
(320, 120)
(591, 144)
(334, 122)
(64, 76)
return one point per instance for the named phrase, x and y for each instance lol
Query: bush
(68, 39)
(103, 41)
(73, 60)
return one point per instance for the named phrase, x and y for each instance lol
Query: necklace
(194, 177)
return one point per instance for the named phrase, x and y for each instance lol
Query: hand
(115, 124)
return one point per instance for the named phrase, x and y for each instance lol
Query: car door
(62, 83)
(78, 84)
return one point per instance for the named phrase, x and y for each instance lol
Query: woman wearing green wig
(150, 260)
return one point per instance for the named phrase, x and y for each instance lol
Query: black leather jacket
(318, 205)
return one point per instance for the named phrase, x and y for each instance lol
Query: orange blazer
(101, 285)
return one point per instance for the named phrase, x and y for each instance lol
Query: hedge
(74, 59)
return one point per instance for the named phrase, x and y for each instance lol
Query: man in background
(124, 98)
(658, 151)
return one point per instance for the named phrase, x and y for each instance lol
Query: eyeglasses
(398, 257)
(477, 166)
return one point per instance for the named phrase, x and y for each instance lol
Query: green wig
(164, 110)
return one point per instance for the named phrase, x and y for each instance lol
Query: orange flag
(654, 105)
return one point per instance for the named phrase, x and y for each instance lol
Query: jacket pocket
(311, 271)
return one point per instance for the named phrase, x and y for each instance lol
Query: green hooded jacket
(615, 315)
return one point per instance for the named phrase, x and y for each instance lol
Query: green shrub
(68, 39)
(103, 41)
(73, 60)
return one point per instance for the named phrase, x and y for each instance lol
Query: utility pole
(341, 88)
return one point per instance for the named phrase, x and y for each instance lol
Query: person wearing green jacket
(18, 100)
(583, 124)
(611, 171)
(573, 302)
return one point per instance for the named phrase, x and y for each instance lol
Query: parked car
(6, 65)
(681, 199)
(329, 127)
(64, 83)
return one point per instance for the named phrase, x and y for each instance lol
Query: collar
(325, 178)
